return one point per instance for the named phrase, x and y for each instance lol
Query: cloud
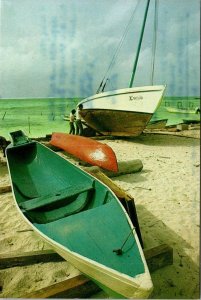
(63, 48)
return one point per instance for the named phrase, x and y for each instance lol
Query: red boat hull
(86, 149)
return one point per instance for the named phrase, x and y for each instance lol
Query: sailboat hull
(117, 123)
(124, 112)
(157, 124)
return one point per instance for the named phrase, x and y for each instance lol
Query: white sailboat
(123, 112)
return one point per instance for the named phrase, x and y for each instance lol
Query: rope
(120, 250)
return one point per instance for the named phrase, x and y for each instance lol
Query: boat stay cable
(154, 41)
(104, 80)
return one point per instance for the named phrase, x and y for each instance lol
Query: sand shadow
(180, 280)
(133, 178)
(158, 139)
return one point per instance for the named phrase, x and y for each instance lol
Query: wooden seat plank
(67, 194)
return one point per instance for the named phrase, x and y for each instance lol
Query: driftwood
(124, 167)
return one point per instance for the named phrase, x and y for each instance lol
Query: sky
(63, 48)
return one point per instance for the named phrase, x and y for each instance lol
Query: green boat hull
(79, 217)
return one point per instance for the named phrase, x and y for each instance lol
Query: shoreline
(166, 194)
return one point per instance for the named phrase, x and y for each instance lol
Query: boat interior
(43, 188)
(71, 207)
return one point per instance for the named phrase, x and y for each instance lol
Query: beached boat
(86, 149)
(191, 121)
(123, 112)
(79, 216)
(181, 110)
(157, 124)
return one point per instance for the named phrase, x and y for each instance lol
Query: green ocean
(39, 117)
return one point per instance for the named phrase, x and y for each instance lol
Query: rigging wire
(154, 41)
(117, 50)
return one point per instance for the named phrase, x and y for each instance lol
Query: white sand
(166, 194)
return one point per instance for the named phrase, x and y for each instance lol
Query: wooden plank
(156, 257)
(119, 192)
(76, 287)
(159, 257)
(81, 287)
(17, 258)
(5, 189)
(129, 205)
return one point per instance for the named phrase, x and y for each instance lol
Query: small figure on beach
(71, 121)
(197, 110)
(78, 122)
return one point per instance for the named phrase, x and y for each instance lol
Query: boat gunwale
(118, 92)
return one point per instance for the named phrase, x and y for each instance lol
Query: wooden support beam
(119, 192)
(5, 189)
(129, 206)
(3, 163)
(15, 259)
(159, 257)
(80, 286)
(156, 257)
(76, 287)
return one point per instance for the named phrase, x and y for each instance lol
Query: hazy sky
(62, 48)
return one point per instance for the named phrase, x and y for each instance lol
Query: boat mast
(139, 45)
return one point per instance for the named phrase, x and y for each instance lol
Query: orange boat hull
(86, 149)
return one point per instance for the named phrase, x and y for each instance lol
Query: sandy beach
(167, 199)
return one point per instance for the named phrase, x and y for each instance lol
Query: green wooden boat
(80, 217)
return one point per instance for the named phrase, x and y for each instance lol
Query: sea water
(36, 117)
(181, 103)
(39, 117)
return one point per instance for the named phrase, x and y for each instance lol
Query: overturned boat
(86, 149)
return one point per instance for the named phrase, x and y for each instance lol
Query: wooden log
(5, 189)
(124, 167)
(76, 287)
